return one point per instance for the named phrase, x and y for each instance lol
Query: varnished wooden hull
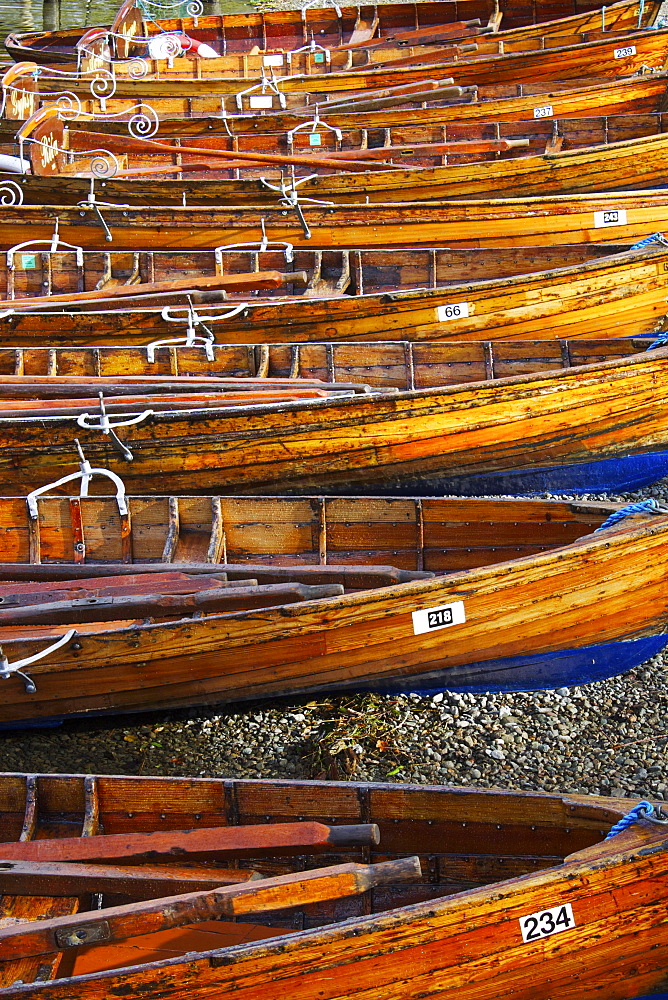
(626, 165)
(508, 854)
(599, 154)
(289, 30)
(513, 629)
(622, 217)
(632, 95)
(645, 48)
(382, 295)
(572, 420)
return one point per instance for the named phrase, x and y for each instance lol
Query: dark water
(33, 15)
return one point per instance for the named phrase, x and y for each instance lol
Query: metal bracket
(53, 244)
(104, 424)
(265, 83)
(8, 669)
(290, 198)
(264, 244)
(315, 123)
(85, 474)
(191, 338)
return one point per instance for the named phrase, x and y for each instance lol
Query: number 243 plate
(547, 922)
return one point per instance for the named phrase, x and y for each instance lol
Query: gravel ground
(607, 738)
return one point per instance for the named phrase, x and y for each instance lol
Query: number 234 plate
(547, 922)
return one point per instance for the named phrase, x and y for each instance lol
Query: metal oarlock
(261, 246)
(85, 473)
(191, 338)
(104, 424)
(8, 669)
(290, 198)
(266, 83)
(316, 123)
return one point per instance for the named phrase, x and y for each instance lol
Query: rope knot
(642, 810)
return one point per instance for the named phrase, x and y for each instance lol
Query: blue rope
(649, 240)
(644, 506)
(660, 341)
(643, 808)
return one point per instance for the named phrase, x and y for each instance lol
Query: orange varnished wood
(526, 581)
(470, 941)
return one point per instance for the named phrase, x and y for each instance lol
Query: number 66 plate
(547, 922)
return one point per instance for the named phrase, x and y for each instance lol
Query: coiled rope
(643, 810)
(642, 507)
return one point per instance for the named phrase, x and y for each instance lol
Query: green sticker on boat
(319, 57)
(315, 140)
(28, 261)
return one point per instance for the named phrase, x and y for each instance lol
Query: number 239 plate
(547, 922)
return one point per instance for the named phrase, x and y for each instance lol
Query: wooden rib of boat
(25, 85)
(292, 29)
(619, 217)
(519, 160)
(578, 427)
(436, 295)
(493, 858)
(316, 593)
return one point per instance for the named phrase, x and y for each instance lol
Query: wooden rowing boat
(353, 26)
(514, 160)
(26, 86)
(496, 861)
(580, 427)
(308, 594)
(619, 217)
(436, 295)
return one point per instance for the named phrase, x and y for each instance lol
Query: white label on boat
(546, 922)
(314, 140)
(611, 217)
(276, 60)
(431, 619)
(628, 50)
(545, 112)
(458, 310)
(261, 101)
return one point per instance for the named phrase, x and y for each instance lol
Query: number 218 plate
(546, 922)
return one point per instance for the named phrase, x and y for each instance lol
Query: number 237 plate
(547, 922)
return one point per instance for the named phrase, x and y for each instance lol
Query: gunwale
(558, 219)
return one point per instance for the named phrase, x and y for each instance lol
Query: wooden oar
(276, 159)
(245, 282)
(117, 923)
(208, 842)
(55, 878)
(437, 148)
(221, 600)
(351, 576)
(422, 36)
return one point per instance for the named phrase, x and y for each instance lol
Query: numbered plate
(628, 50)
(261, 101)
(611, 217)
(457, 310)
(545, 112)
(273, 60)
(547, 922)
(432, 619)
